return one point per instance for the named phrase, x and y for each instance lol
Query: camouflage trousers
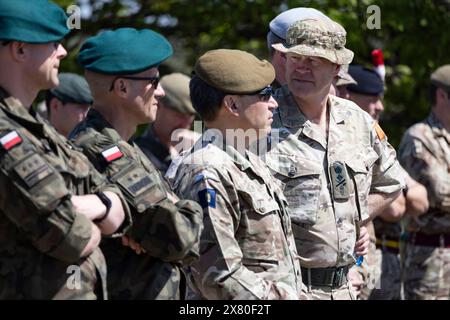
(345, 292)
(427, 273)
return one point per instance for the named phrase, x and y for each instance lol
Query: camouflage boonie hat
(344, 78)
(317, 38)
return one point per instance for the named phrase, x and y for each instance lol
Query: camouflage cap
(234, 71)
(176, 87)
(344, 78)
(317, 37)
(441, 77)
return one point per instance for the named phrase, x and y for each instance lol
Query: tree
(412, 35)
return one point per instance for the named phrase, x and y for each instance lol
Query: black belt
(334, 277)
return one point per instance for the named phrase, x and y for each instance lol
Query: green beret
(176, 87)
(124, 51)
(36, 21)
(234, 71)
(441, 77)
(72, 88)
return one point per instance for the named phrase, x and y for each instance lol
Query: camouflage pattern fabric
(247, 250)
(169, 232)
(425, 153)
(41, 237)
(325, 213)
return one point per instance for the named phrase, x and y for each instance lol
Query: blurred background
(414, 36)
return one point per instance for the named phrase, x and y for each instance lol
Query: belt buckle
(337, 279)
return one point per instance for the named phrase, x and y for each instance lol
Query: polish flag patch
(112, 154)
(10, 140)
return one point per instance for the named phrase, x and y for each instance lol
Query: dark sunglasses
(265, 93)
(153, 80)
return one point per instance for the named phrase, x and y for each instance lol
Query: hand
(356, 279)
(128, 242)
(362, 245)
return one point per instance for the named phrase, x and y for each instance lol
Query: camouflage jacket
(425, 153)
(157, 152)
(168, 232)
(325, 210)
(247, 250)
(41, 237)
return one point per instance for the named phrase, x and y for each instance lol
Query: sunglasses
(154, 81)
(265, 93)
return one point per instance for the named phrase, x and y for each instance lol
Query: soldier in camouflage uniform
(166, 230)
(169, 134)
(50, 219)
(247, 250)
(329, 155)
(425, 153)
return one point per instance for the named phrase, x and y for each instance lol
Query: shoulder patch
(10, 139)
(380, 133)
(112, 154)
(207, 198)
(33, 170)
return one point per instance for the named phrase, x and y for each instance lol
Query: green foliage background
(414, 36)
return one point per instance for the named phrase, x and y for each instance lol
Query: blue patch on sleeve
(207, 198)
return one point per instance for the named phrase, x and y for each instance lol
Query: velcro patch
(10, 140)
(32, 170)
(207, 198)
(112, 154)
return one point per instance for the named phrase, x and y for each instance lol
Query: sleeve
(34, 197)
(387, 174)
(423, 166)
(166, 230)
(219, 273)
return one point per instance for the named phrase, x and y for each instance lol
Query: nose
(379, 106)
(273, 104)
(159, 91)
(62, 52)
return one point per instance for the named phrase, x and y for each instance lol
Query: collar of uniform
(337, 112)
(238, 158)
(437, 127)
(96, 120)
(150, 141)
(290, 114)
(13, 106)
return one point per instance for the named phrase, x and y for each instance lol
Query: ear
(336, 70)
(441, 95)
(54, 106)
(120, 88)
(19, 51)
(230, 103)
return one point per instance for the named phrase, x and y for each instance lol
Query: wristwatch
(107, 202)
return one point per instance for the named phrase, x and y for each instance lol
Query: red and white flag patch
(112, 154)
(10, 140)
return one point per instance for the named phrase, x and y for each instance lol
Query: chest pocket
(360, 173)
(141, 189)
(260, 227)
(302, 185)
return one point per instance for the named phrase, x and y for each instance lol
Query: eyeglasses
(265, 93)
(154, 81)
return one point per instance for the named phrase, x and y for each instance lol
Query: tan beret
(441, 77)
(234, 71)
(176, 87)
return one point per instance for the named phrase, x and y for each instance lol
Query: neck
(16, 84)
(162, 134)
(115, 115)
(443, 116)
(234, 137)
(314, 108)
